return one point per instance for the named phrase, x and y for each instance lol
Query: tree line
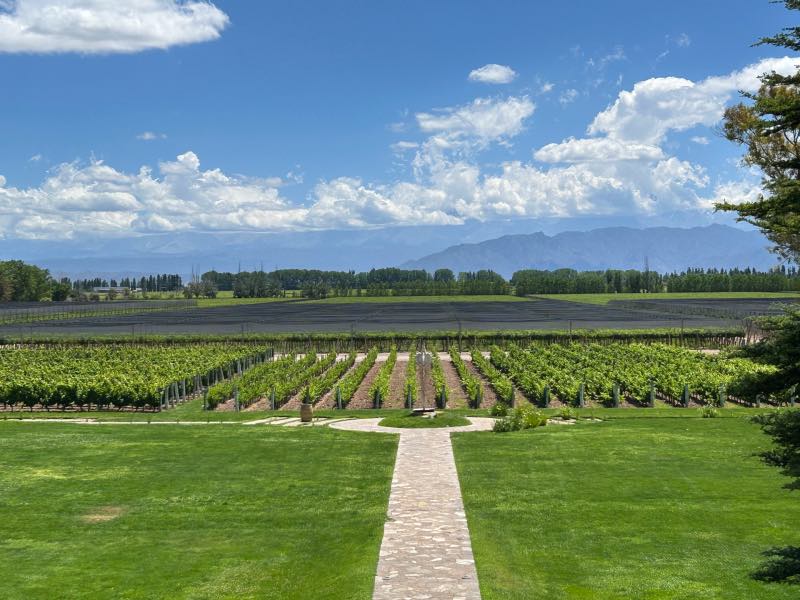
(153, 283)
(313, 283)
(20, 282)
(570, 281)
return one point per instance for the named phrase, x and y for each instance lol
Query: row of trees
(377, 282)
(153, 283)
(570, 281)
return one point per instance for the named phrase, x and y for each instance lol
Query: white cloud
(683, 40)
(574, 150)
(546, 87)
(35, 158)
(404, 146)
(568, 96)
(658, 105)
(622, 169)
(701, 140)
(97, 199)
(601, 63)
(149, 136)
(484, 120)
(106, 26)
(493, 73)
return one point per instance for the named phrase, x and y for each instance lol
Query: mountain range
(662, 249)
(503, 246)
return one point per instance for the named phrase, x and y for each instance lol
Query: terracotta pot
(306, 413)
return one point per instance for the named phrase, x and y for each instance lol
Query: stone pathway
(426, 550)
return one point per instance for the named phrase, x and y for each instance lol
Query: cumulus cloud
(492, 73)
(621, 168)
(485, 119)
(701, 140)
(655, 106)
(99, 199)
(106, 26)
(574, 150)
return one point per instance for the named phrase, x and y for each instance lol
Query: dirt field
(296, 317)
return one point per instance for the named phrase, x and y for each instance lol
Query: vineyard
(111, 376)
(609, 374)
(247, 376)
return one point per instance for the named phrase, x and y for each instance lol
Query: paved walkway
(426, 550)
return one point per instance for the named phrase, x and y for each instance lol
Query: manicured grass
(654, 508)
(412, 421)
(193, 411)
(190, 512)
(422, 299)
(606, 298)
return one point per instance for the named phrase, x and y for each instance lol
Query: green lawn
(193, 411)
(190, 512)
(645, 508)
(606, 298)
(412, 421)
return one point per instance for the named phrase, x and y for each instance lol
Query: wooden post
(615, 395)
(546, 396)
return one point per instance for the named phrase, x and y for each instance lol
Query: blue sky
(138, 116)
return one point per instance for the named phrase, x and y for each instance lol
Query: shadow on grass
(783, 566)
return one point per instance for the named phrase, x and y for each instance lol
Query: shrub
(709, 412)
(567, 412)
(499, 410)
(503, 425)
(524, 417)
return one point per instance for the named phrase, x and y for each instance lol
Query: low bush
(709, 412)
(499, 410)
(524, 417)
